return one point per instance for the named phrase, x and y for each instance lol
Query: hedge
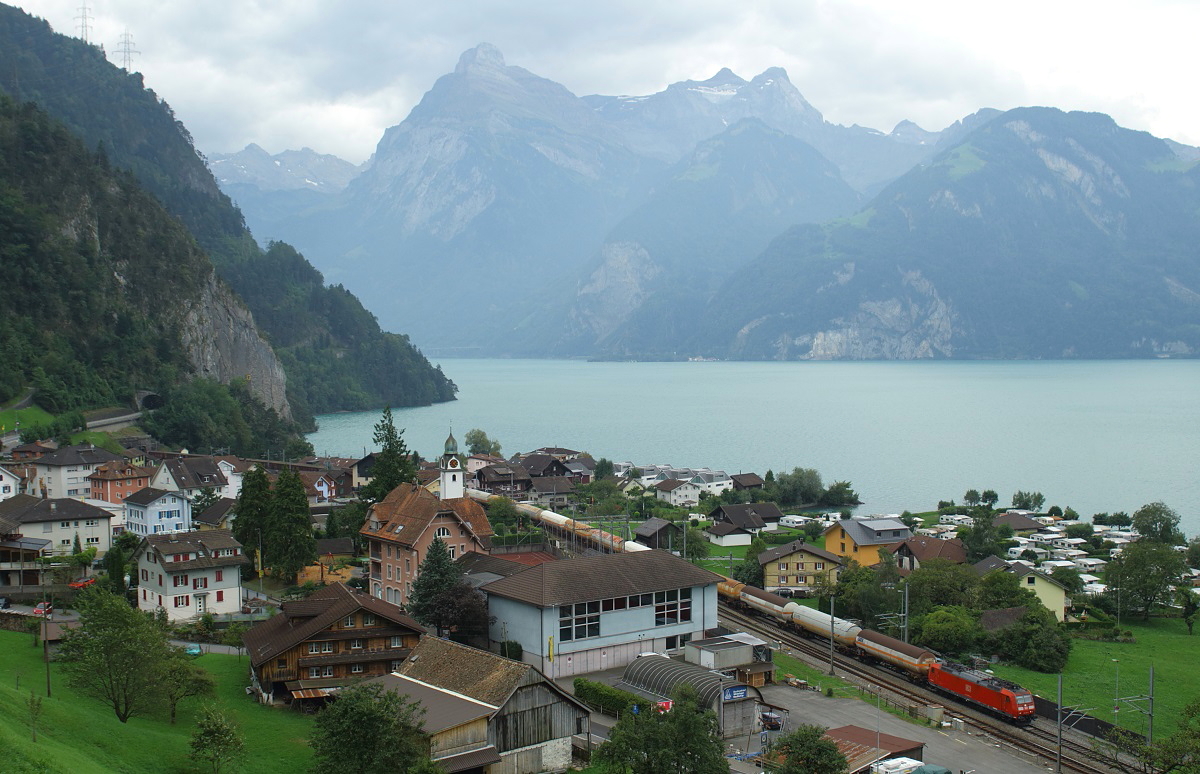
(612, 701)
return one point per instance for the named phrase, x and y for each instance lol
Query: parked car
(43, 608)
(192, 649)
(4, 603)
(81, 583)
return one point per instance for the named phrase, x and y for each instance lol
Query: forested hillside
(333, 350)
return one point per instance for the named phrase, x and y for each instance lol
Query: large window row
(582, 620)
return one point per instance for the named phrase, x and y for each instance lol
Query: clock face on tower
(453, 462)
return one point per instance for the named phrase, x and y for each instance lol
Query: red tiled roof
(409, 509)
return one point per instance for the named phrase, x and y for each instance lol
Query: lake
(1093, 435)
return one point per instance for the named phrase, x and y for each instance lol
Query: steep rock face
(616, 288)
(222, 343)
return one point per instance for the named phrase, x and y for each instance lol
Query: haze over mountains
(507, 216)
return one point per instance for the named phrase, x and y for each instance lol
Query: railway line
(1033, 740)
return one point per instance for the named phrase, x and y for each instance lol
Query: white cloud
(334, 75)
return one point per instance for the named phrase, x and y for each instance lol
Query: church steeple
(452, 484)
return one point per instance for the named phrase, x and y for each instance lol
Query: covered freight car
(913, 660)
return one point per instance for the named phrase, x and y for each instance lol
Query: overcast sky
(333, 75)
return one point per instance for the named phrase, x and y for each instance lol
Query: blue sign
(733, 693)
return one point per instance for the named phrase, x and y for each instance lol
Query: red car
(43, 608)
(81, 583)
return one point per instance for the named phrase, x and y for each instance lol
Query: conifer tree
(437, 577)
(291, 545)
(393, 462)
(253, 510)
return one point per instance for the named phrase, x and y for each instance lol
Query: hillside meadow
(79, 735)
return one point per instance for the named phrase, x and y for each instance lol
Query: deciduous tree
(477, 442)
(696, 546)
(806, 751)
(216, 741)
(180, 678)
(1157, 522)
(369, 730)
(1145, 571)
(681, 741)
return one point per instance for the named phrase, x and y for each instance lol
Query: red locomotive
(999, 697)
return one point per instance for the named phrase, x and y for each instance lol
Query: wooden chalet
(324, 641)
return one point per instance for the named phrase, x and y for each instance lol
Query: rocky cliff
(223, 343)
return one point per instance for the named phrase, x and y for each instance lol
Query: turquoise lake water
(1093, 435)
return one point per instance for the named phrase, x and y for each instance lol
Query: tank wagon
(1000, 697)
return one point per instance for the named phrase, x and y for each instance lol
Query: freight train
(998, 697)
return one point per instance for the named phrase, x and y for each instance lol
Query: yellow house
(797, 567)
(861, 539)
(1051, 593)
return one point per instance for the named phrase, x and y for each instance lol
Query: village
(583, 613)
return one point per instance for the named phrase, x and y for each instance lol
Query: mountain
(104, 293)
(716, 210)
(1041, 234)
(333, 351)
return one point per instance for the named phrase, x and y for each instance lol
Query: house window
(183, 601)
(181, 580)
(349, 622)
(314, 647)
(451, 549)
(90, 523)
(1029, 581)
(281, 663)
(220, 575)
(396, 642)
(145, 575)
(395, 667)
(671, 607)
(65, 524)
(783, 580)
(356, 669)
(818, 565)
(326, 647)
(93, 541)
(314, 672)
(327, 671)
(368, 619)
(407, 565)
(220, 596)
(579, 621)
(389, 571)
(356, 644)
(783, 566)
(442, 532)
(68, 542)
(200, 583)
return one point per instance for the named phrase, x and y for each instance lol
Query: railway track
(1033, 740)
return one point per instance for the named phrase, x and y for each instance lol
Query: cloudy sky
(333, 75)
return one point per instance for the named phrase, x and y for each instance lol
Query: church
(400, 528)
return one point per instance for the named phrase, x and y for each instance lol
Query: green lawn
(1090, 677)
(28, 416)
(79, 735)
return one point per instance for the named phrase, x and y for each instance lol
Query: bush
(612, 701)
(512, 649)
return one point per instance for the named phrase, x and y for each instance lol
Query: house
(64, 472)
(920, 548)
(188, 574)
(151, 511)
(360, 472)
(60, 522)
(744, 481)
(712, 481)
(861, 539)
(559, 453)
(583, 615)
(508, 479)
(326, 640)
(531, 719)
(752, 517)
(318, 487)
(219, 515)
(476, 462)
(798, 567)
(1020, 522)
(1088, 564)
(726, 535)
(10, 483)
(1052, 593)
(190, 475)
(113, 481)
(552, 492)
(542, 465)
(582, 469)
(33, 451)
(659, 533)
(681, 494)
(400, 528)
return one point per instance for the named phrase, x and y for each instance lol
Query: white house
(152, 511)
(60, 522)
(64, 473)
(188, 574)
(576, 616)
(726, 534)
(683, 494)
(191, 475)
(10, 483)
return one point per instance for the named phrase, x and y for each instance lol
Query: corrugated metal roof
(659, 675)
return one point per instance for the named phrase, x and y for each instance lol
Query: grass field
(27, 416)
(77, 735)
(1090, 679)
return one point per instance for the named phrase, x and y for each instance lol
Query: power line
(126, 50)
(85, 27)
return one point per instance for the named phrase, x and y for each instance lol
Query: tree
(1188, 607)
(1069, 578)
(289, 544)
(501, 510)
(1028, 501)
(981, 539)
(972, 497)
(696, 546)
(1145, 571)
(989, 497)
(216, 742)
(116, 565)
(681, 741)
(749, 571)
(115, 655)
(436, 577)
(1159, 523)
(807, 751)
(1084, 530)
(1036, 641)
(999, 589)
(205, 499)
(33, 709)
(478, 442)
(949, 630)
(180, 678)
(369, 730)
(393, 463)
(839, 493)
(800, 487)
(253, 512)
(941, 583)
(604, 468)
(1193, 552)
